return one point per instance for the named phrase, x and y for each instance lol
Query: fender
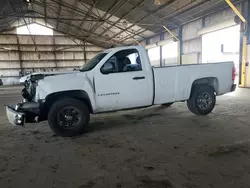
(53, 97)
(77, 94)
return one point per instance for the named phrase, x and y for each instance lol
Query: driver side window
(123, 61)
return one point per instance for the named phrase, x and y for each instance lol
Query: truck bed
(174, 83)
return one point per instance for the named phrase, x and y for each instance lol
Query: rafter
(72, 15)
(58, 13)
(86, 16)
(45, 11)
(63, 6)
(125, 15)
(106, 19)
(70, 7)
(84, 31)
(168, 17)
(148, 15)
(51, 18)
(93, 29)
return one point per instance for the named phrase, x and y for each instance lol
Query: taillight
(234, 73)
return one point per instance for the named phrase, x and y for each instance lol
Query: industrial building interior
(155, 147)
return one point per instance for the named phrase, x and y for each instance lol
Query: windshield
(93, 62)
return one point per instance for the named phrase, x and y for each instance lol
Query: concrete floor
(153, 148)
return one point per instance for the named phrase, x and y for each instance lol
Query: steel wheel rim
(69, 117)
(204, 101)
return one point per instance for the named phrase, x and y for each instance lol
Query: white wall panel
(220, 16)
(189, 31)
(6, 65)
(192, 46)
(9, 73)
(90, 55)
(9, 55)
(8, 39)
(154, 39)
(38, 64)
(40, 56)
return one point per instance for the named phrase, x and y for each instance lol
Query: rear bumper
(233, 88)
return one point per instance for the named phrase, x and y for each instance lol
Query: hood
(41, 75)
(64, 82)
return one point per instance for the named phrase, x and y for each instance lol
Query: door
(121, 83)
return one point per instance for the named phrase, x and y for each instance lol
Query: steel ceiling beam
(200, 10)
(145, 17)
(58, 13)
(89, 10)
(125, 15)
(111, 8)
(45, 11)
(106, 20)
(96, 26)
(112, 23)
(68, 6)
(169, 16)
(237, 12)
(64, 5)
(50, 18)
(72, 15)
(84, 31)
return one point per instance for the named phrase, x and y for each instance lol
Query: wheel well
(211, 81)
(76, 94)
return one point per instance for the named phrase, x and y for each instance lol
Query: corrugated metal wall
(192, 43)
(24, 53)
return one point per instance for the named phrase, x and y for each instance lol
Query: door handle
(139, 78)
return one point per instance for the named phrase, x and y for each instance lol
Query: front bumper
(14, 117)
(22, 113)
(233, 88)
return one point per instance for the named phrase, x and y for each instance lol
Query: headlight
(29, 91)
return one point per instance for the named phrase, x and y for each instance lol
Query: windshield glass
(93, 62)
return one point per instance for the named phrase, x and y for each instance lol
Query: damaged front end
(22, 113)
(29, 110)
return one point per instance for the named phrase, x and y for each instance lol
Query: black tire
(194, 103)
(63, 104)
(167, 104)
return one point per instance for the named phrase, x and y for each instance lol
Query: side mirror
(107, 68)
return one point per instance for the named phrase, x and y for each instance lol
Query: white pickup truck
(117, 79)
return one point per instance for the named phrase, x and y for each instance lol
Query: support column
(248, 20)
(161, 57)
(244, 41)
(19, 55)
(85, 55)
(246, 45)
(180, 46)
(54, 49)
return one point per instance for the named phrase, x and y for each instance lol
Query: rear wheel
(202, 100)
(68, 117)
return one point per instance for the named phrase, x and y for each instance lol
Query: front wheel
(68, 117)
(202, 100)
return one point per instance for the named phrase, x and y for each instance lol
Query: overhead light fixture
(125, 23)
(106, 36)
(160, 2)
